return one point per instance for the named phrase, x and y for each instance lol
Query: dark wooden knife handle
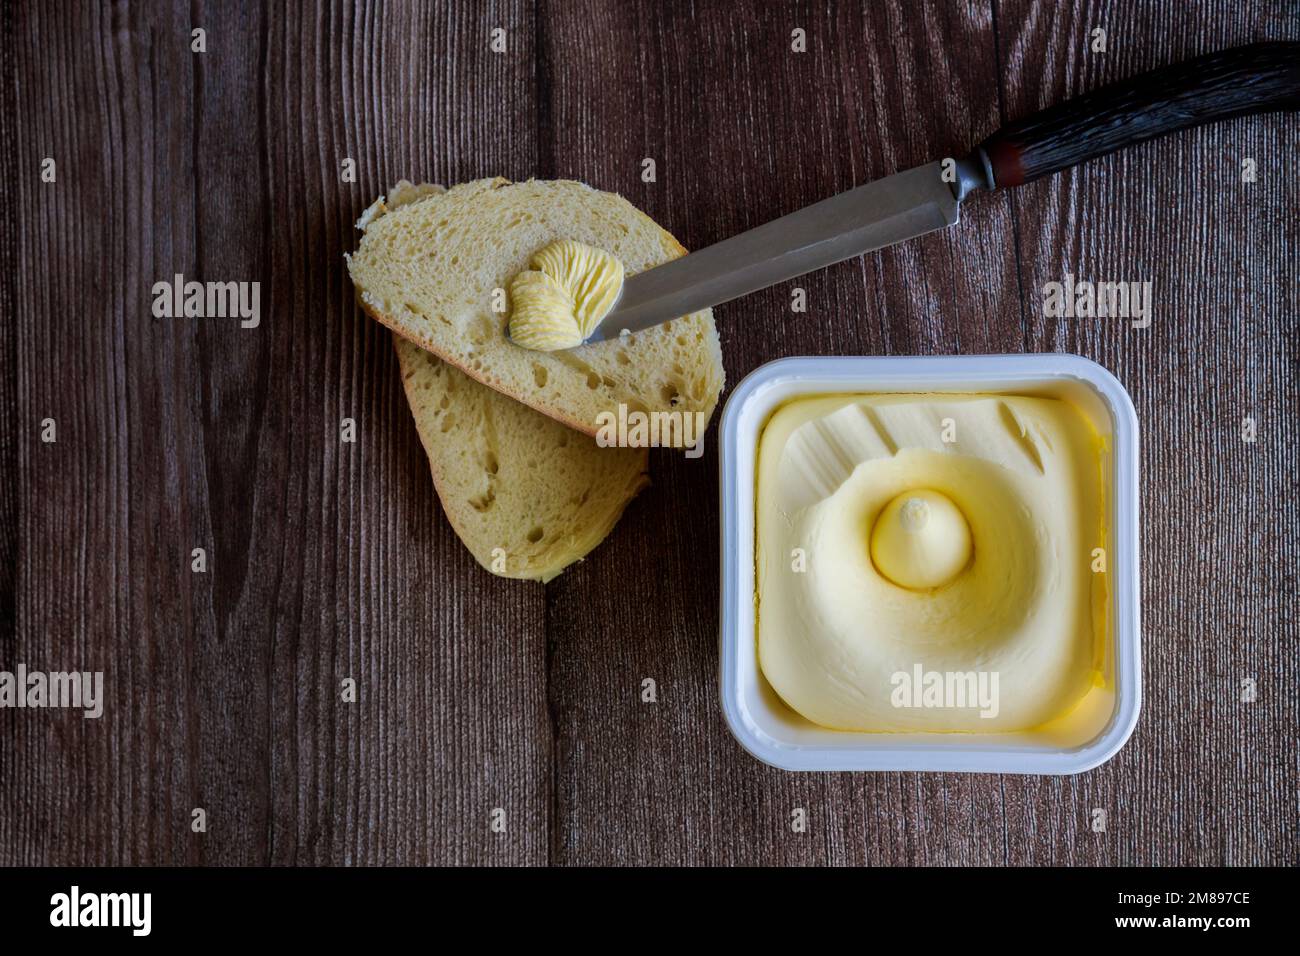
(1260, 78)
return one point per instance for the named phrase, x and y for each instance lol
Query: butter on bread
(562, 297)
(430, 271)
(527, 495)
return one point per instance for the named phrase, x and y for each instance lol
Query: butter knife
(1259, 78)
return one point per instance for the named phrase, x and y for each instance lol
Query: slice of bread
(527, 495)
(431, 269)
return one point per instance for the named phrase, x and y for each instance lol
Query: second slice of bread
(527, 495)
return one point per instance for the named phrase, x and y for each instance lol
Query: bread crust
(479, 375)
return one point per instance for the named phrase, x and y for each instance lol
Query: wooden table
(329, 560)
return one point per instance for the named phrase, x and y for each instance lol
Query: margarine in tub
(931, 562)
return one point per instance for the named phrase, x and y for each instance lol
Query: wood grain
(1219, 521)
(331, 560)
(327, 560)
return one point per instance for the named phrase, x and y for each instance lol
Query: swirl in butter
(920, 540)
(955, 556)
(558, 302)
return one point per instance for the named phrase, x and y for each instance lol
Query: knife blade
(881, 213)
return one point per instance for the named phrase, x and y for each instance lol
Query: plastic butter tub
(1092, 732)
